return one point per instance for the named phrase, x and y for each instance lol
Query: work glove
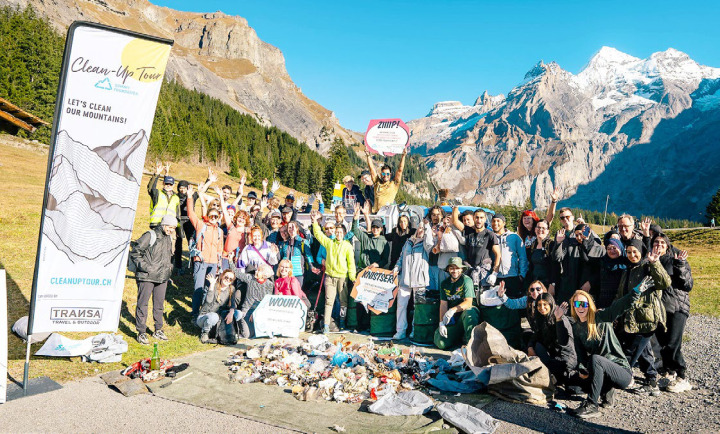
(644, 285)
(448, 316)
(491, 279)
(443, 330)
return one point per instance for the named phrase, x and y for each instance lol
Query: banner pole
(26, 373)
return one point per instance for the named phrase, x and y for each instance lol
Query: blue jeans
(200, 270)
(207, 321)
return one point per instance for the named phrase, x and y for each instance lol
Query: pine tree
(713, 208)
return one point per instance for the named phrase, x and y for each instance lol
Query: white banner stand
(3, 337)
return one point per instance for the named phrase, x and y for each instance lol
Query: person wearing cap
(152, 253)
(513, 259)
(289, 206)
(578, 251)
(186, 229)
(165, 202)
(386, 185)
(369, 189)
(339, 266)
(351, 193)
(458, 316)
(275, 219)
(288, 214)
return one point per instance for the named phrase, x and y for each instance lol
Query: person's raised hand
(167, 168)
(555, 195)
(683, 255)
(243, 180)
(654, 255)
(217, 191)
(276, 185)
(501, 289)
(211, 278)
(274, 248)
(580, 220)
(356, 211)
(314, 216)
(405, 150)
(366, 207)
(560, 310)
(190, 190)
(560, 236)
(212, 177)
(159, 168)
(264, 183)
(645, 226)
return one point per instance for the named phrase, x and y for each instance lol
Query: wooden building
(13, 118)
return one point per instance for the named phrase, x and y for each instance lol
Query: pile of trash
(318, 369)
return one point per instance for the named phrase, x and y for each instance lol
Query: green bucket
(427, 317)
(351, 316)
(384, 323)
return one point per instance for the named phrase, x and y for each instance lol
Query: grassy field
(22, 169)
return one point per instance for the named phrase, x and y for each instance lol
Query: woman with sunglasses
(218, 299)
(385, 185)
(552, 338)
(527, 302)
(209, 243)
(676, 300)
(601, 360)
(648, 315)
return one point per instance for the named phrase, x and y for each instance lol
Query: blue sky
(374, 59)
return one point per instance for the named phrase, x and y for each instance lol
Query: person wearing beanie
(640, 323)
(612, 266)
(152, 256)
(676, 300)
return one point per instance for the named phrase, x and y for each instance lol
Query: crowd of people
(596, 306)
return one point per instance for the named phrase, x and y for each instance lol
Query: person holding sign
(458, 316)
(386, 186)
(339, 265)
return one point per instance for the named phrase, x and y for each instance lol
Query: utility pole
(607, 199)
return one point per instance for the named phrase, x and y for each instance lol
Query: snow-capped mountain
(558, 128)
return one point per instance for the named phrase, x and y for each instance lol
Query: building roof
(13, 114)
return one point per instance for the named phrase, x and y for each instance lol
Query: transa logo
(76, 315)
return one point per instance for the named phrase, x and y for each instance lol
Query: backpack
(195, 244)
(131, 265)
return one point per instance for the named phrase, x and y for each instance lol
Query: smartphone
(586, 231)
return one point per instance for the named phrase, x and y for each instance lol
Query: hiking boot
(399, 336)
(160, 335)
(205, 339)
(143, 338)
(587, 410)
(608, 399)
(679, 385)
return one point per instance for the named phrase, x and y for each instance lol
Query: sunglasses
(385, 173)
(535, 289)
(213, 217)
(578, 304)
(228, 278)
(566, 217)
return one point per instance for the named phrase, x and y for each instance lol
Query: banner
(375, 288)
(3, 337)
(387, 136)
(109, 86)
(280, 315)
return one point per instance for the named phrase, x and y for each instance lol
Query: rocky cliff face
(216, 54)
(621, 124)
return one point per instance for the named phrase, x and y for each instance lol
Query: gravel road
(90, 406)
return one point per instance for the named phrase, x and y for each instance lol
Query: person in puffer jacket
(676, 300)
(154, 268)
(647, 314)
(413, 268)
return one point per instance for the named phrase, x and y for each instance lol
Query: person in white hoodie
(413, 268)
(513, 258)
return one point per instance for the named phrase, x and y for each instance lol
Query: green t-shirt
(456, 292)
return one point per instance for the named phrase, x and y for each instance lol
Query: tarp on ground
(210, 387)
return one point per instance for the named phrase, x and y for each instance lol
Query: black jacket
(558, 340)
(153, 262)
(397, 242)
(677, 298)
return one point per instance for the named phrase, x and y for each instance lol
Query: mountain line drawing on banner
(95, 197)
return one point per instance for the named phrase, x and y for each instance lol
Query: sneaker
(650, 389)
(160, 335)
(679, 385)
(205, 339)
(399, 336)
(608, 399)
(143, 338)
(587, 410)
(665, 380)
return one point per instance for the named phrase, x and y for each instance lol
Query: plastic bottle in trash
(155, 359)
(412, 352)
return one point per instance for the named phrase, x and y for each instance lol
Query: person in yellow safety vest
(165, 203)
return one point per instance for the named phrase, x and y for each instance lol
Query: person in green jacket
(647, 315)
(600, 357)
(339, 265)
(374, 247)
(458, 316)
